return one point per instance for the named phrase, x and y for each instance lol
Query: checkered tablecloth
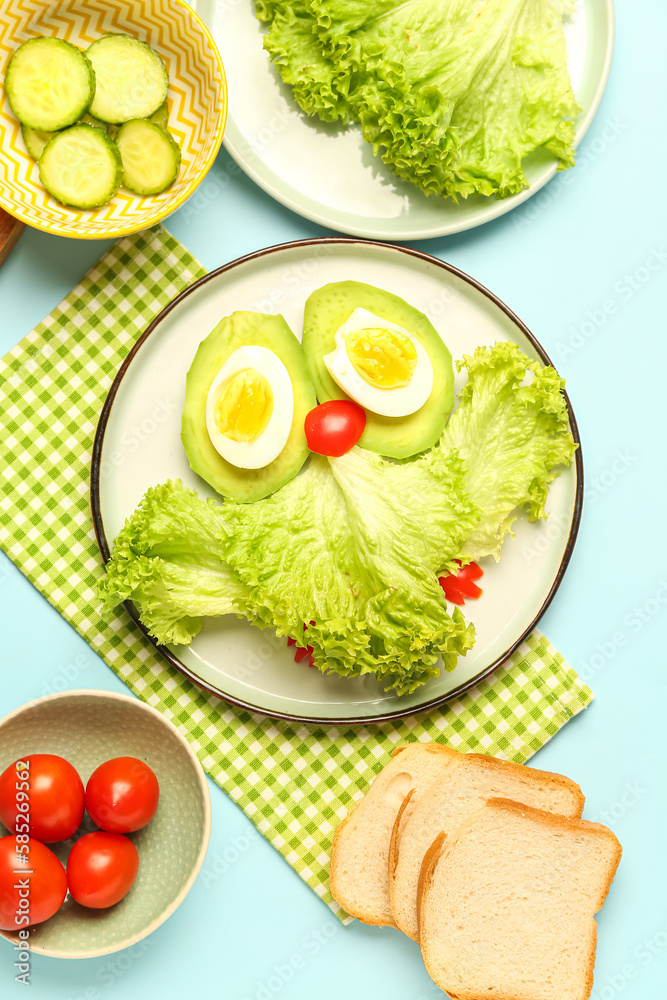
(293, 781)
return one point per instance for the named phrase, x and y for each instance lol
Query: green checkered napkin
(293, 781)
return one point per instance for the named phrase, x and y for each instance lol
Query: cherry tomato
(33, 883)
(43, 793)
(122, 795)
(101, 869)
(333, 428)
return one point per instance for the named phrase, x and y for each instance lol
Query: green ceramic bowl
(87, 728)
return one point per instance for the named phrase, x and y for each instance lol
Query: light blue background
(584, 265)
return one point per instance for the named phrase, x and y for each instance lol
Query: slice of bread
(507, 904)
(442, 805)
(360, 853)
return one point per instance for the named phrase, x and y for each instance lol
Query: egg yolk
(384, 358)
(244, 406)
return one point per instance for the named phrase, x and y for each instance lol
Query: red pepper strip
(467, 587)
(452, 593)
(470, 572)
(303, 651)
(458, 586)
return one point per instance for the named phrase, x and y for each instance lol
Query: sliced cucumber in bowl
(91, 123)
(35, 140)
(81, 167)
(131, 79)
(161, 116)
(49, 83)
(150, 156)
(95, 122)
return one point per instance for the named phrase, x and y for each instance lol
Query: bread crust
(430, 747)
(393, 850)
(551, 777)
(431, 859)
(437, 851)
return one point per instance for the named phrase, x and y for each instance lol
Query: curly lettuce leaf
(295, 553)
(473, 89)
(168, 560)
(453, 95)
(265, 10)
(407, 513)
(512, 430)
(407, 517)
(350, 548)
(319, 88)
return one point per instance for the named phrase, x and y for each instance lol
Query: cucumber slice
(131, 79)
(161, 116)
(35, 141)
(95, 122)
(81, 167)
(151, 157)
(49, 83)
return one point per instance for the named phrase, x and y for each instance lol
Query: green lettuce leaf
(319, 89)
(266, 9)
(350, 548)
(454, 95)
(512, 430)
(168, 560)
(294, 552)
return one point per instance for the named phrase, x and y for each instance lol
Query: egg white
(269, 444)
(397, 402)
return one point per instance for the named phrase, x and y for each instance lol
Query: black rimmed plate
(138, 446)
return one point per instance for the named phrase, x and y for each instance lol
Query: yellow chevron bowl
(197, 107)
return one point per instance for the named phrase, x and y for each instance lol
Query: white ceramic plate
(138, 446)
(329, 174)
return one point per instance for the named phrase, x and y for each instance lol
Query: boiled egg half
(380, 365)
(250, 407)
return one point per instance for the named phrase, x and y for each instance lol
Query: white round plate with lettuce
(138, 446)
(328, 174)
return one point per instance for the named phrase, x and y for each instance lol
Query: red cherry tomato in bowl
(45, 793)
(122, 795)
(101, 869)
(33, 883)
(334, 427)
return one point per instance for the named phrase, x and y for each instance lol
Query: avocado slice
(398, 437)
(243, 329)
